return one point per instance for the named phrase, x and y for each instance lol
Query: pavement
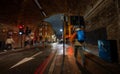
(3, 51)
(65, 63)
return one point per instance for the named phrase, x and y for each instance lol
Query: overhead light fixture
(38, 4)
(44, 13)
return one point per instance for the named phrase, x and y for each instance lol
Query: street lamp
(61, 30)
(61, 33)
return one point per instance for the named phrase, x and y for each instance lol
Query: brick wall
(106, 18)
(16, 36)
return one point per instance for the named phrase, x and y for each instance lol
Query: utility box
(108, 50)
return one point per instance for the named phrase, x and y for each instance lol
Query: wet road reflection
(60, 47)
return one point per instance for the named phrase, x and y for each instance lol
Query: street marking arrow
(25, 60)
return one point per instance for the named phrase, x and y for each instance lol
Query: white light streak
(44, 13)
(36, 1)
(25, 60)
(38, 4)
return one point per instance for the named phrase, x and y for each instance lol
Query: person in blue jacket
(79, 43)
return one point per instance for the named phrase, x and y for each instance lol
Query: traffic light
(21, 29)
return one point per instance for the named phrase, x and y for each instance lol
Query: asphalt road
(23, 62)
(40, 60)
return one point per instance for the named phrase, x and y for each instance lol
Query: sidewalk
(18, 49)
(65, 65)
(5, 51)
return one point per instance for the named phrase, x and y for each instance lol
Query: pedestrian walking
(78, 43)
(9, 43)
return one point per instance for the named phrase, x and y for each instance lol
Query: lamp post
(20, 33)
(64, 22)
(62, 30)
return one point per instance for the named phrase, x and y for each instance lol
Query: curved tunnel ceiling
(30, 12)
(27, 11)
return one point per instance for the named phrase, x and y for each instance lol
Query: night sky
(56, 22)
